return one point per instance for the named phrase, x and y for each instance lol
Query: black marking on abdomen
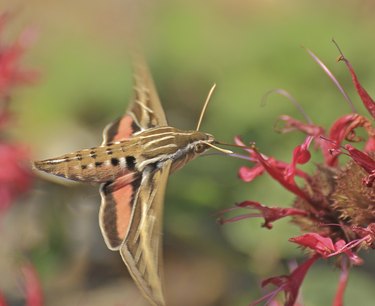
(109, 151)
(93, 154)
(83, 167)
(98, 164)
(79, 156)
(114, 161)
(130, 162)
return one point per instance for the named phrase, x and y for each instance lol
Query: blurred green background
(247, 48)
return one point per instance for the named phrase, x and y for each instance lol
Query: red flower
(2, 300)
(325, 247)
(15, 175)
(270, 214)
(32, 287)
(335, 206)
(11, 74)
(290, 284)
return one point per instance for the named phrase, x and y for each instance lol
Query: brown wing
(145, 110)
(141, 249)
(132, 207)
(117, 207)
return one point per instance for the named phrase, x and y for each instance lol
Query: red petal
(290, 284)
(239, 142)
(271, 214)
(10, 72)
(365, 97)
(345, 248)
(370, 144)
(279, 176)
(249, 174)
(339, 298)
(364, 161)
(292, 124)
(326, 248)
(301, 155)
(344, 128)
(34, 294)
(322, 245)
(2, 300)
(15, 177)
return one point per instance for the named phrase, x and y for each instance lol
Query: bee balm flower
(334, 207)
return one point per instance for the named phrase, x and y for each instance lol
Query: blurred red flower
(11, 72)
(15, 175)
(31, 285)
(334, 207)
(33, 290)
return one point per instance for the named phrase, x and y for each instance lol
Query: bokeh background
(247, 48)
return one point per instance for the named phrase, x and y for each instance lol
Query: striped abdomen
(150, 148)
(99, 164)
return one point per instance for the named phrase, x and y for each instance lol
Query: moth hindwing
(138, 153)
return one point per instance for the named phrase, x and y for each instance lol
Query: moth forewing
(141, 249)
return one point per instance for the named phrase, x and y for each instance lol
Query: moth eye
(199, 148)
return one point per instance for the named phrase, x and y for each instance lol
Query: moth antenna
(218, 148)
(205, 106)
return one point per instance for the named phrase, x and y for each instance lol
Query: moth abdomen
(99, 164)
(74, 166)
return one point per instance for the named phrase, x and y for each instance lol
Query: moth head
(204, 141)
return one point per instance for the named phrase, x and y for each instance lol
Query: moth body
(99, 164)
(150, 148)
